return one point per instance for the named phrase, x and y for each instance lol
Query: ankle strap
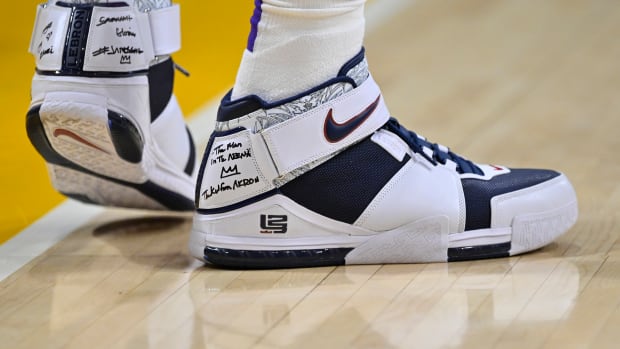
(72, 38)
(240, 165)
(328, 128)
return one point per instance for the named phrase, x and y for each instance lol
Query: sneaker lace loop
(435, 153)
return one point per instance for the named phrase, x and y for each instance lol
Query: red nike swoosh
(62, 132)
(335, 132)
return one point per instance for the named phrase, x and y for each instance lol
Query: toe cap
(479, 194)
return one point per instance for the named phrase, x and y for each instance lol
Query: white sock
(298, 44)
(142, 4)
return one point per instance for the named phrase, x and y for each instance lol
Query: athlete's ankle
(295, 45)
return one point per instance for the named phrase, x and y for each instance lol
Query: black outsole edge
(281, 259)
(468, 253)
(247, 259)
(38, 138)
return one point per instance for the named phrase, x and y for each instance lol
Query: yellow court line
(214, 36)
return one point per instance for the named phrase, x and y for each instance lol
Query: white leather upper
(48, 36)
(419, 190)
(170, 135)
(237, 168)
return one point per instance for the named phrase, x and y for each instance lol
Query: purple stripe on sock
(258, 12)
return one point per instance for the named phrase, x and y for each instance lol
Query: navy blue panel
(77, 37)
(467, 253)
(344, 186)
(125, 137)
(478, 193)
(191, 162)
(246, 259)
(91, 74)
(161, 81)
(230, 110)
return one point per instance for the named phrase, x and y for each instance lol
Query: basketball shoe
(103, 115)
(329, 178)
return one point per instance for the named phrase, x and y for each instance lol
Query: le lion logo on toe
(273, 224)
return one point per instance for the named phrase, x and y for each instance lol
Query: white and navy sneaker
(103, 115)
(328, 178)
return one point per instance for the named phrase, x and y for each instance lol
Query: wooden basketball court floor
(521, 83)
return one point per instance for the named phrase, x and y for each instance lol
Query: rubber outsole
(128, 146)
(247, 259)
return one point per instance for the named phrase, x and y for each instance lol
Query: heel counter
(235, 168)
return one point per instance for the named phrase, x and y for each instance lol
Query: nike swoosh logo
(62, 132)
(335, 132)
